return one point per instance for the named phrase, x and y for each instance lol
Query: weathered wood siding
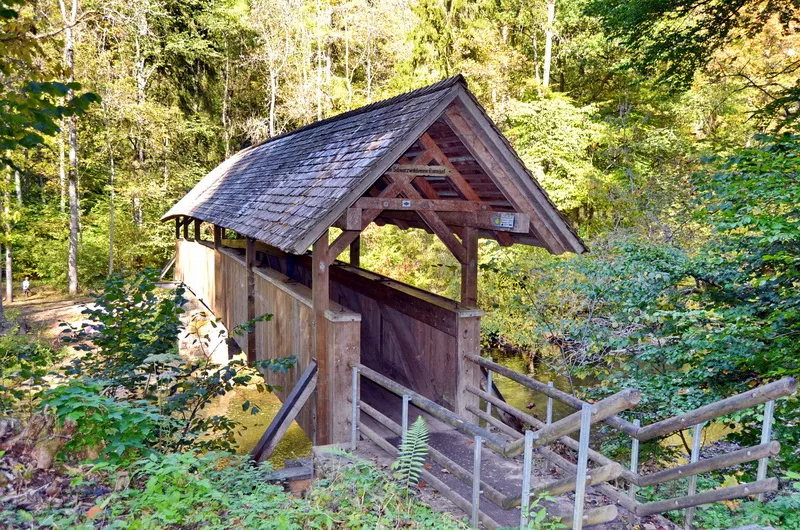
(219, 278)
(407, 334)
(231, 293)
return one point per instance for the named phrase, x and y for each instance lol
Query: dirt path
(43, 312)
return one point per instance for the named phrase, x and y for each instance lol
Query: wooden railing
(519, 444)
(766, 395)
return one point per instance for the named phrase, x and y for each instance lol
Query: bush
(24, 366)
(116, 429)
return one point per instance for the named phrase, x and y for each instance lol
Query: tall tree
(69, 15)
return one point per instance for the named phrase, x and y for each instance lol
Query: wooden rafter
(434, 205)
(479, 150)
(485, 221)
(457, 179)
(435, 223)
(368, 216)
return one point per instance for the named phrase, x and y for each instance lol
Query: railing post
(697, 438)
(549, 419)
(525, 499)
(406, 399)
(476, 481)
(489, 391)
(583, 466)
(354, 417)
(766, 436)
(634, 458)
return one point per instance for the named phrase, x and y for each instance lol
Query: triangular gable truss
(448, 170)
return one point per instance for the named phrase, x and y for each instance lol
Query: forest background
(664, 131)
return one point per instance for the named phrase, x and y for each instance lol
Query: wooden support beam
(469, 270)
(355, 252)
(458, 179)
(197, 223)
(288, 412)
(320, 301)
(250, 260)
(496, 222)
(368, 216)
(623, 400)
(748, 454)
(217, 236)
(186, 221)
(479, 147)
(438, 226)
(436, 205)
(745, 400)
(420, 170)
(723, 494)
(177, 228)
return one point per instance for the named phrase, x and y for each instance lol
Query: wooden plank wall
(220, 279)
(231, 292)
(407, 334)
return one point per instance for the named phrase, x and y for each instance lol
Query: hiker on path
(26, 286)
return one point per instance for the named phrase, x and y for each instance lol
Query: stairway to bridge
(504, 475)
(584, 487)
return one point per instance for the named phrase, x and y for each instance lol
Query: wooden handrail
(759, 395)
(550, 433)
(493, 441)
(559, 395)
(723, 494)
(784, 387)
(748, 454)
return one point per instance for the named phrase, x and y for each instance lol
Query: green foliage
(25, 365)
(689, 327)
(116, 429)
(676, 39)
(129, 325)
(538, 518)
(30, 108)
(783, 511)
(412, 454)
(220, 491)
(130, 340)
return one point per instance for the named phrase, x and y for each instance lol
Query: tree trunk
(536, 63)
(225, 95)
(549, 30)
(62, 173)
(111, 194)
(69, 55)
(18, 187)
(7, 226)
(273, 88)
(319, 62)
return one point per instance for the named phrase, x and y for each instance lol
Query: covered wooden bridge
(429, 159)
(433, 160)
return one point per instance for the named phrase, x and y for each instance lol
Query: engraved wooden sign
(420, 171)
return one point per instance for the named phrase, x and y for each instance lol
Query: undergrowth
(219, 491)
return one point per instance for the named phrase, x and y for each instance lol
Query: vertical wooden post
(468, 341)
(217, 236)
(177, 228)
(355, 252)
(469, 270)
(320, 296)
(186, 221)
(197, 223)
(250, 260)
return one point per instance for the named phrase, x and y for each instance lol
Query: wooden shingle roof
(288, 190)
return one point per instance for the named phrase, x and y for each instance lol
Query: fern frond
(412, 454)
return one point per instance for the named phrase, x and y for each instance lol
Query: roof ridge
(435, 87)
